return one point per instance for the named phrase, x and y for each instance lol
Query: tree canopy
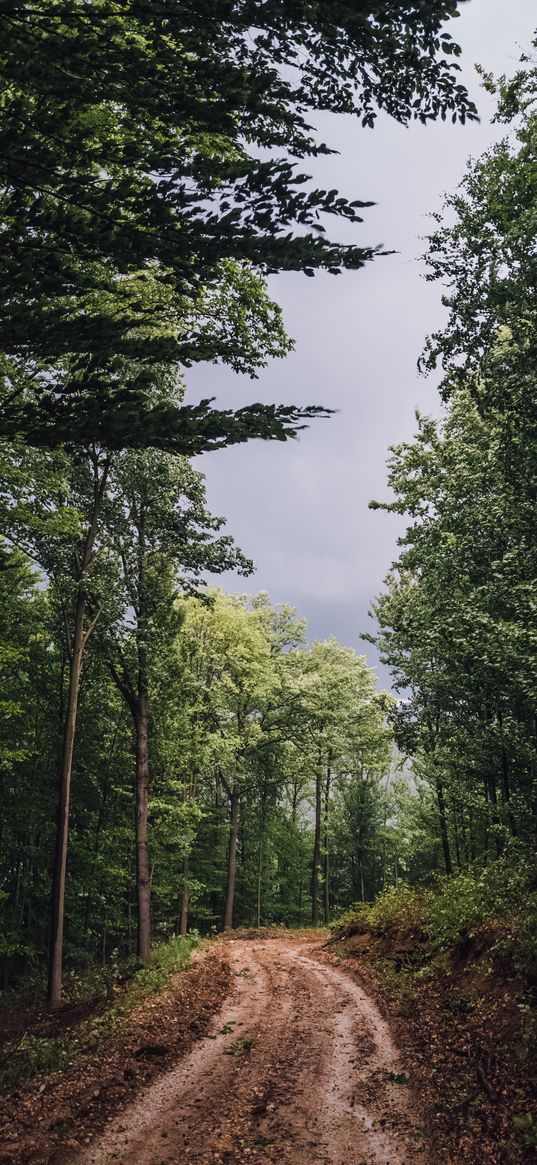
(150, 173)
(457, 618)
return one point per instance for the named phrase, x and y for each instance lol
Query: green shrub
(167, 959)
(502, 895)
(34, 1056)
(402, 909)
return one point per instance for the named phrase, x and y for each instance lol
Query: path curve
(299, 1068)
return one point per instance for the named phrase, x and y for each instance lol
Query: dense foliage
(150, 181)
(150, 175)
(457, 622)
(243, 715)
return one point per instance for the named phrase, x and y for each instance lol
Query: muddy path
(299, 1068)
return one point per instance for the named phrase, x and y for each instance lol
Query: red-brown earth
(266, 1051)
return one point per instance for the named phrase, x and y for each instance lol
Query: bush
(403, 910)
(502, 896)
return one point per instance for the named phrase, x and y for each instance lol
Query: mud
(298, 1068)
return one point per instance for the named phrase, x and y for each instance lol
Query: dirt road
(298, 1069)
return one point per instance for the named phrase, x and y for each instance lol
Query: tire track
(299, 1068)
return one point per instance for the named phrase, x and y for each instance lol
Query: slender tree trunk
(232, 858)
(130, 942)
(260, 840)
(456, 839)
(190, 793)
(506, 793)
(495, 817)
(316, 860)
(134, 688)
(472, 847)
(464, 836)
(326, 888)
(259, 881)
(183, 923)
(443, 825)
(62, 829)
(486, 830)
(79, 641)
(143, 876)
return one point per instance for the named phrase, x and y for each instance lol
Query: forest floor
(467, 1024)
(265, 1051)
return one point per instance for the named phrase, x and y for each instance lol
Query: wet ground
(298, 1068)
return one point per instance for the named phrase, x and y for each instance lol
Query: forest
(178, 760)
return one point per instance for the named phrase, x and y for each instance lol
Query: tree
(52, 505)
(27, 737)
(150, 172)
(238, 676)
(338, 717)
(159, 529)
(483, 255)
(455, 625)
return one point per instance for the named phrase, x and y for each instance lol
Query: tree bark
(443, 825)
(232, 857)
(143, 878)
(80, 638)
(260, 840)
(62, 828)
(506, 793)
(183, 922)
(316, 860)
(326, 887)
(495, 817)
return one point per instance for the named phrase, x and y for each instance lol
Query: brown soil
(298, 1068)
(468, 1031)
(43, 1119)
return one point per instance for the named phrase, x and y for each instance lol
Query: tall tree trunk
(495, 817)
(80, 637)
(506, 793)
(232, 857)
(189, 793)
(62, 827)
(464, 835)
(456, 838)
(259, 881)
(440, 799)
(316, 860)
(326, 888)
(183, 921)
(260, 840)
(134, 687)
(143, 877)
(130, 942)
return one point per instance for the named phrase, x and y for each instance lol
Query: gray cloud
(301, 509)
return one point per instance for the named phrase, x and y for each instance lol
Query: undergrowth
(500, 898)
(123, 987)
(466, 948)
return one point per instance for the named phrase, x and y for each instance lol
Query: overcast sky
(300, 509)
